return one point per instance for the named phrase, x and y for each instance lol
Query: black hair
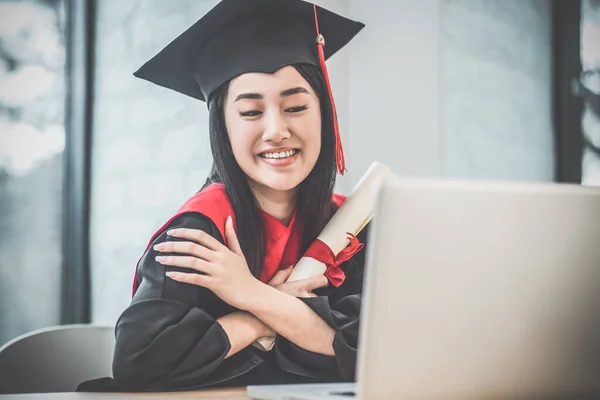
(314, 195)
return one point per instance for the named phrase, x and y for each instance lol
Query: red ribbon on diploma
(321, 252)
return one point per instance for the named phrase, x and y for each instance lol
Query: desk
(224, 394)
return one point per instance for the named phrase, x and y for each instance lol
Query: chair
(56, 359)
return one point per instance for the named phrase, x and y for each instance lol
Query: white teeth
(281, 154)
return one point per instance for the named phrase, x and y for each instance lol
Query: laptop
(476, 290)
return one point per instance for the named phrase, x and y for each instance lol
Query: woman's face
(274, 126)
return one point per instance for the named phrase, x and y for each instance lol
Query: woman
(212, 280)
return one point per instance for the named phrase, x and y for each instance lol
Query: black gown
(169, 339)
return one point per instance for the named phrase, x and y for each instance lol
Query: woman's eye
(252, 113)
(296, 109)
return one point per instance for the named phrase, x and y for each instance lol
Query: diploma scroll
(354, 214)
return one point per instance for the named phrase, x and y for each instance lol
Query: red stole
(283, 242)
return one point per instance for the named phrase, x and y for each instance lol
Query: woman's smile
(280, 157)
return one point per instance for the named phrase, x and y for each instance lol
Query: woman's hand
(223, 269)
(301, 288)
(243, 328)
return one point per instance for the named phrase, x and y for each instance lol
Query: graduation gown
(169, 338)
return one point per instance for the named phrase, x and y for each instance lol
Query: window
(589, 89)
(32, 143)
(45, 70)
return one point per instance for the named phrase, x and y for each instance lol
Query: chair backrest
(56, 359)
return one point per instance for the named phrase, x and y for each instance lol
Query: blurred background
(93, 161)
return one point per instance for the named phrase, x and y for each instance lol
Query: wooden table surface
(227, 394)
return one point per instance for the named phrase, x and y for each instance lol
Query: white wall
(150, 145)
(394, 87)
(495, 93)
(455, 88)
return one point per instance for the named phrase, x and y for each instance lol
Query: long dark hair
(313, 200)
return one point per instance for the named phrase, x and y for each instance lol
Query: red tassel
(339, 151)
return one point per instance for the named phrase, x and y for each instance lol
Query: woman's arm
(319, 332)
(223, 270)
(173, 333)
(242, 329)
(291, 318)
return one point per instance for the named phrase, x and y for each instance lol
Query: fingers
(186, 262)
(189, 248)
(194, 279)
(281, 276)
(197, 236)
(285, 273)
(231, 237)
(315, 282)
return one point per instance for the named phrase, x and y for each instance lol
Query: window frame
(567, 106)
(79, 72)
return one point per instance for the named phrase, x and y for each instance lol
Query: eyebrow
(258, 96)
(293, 91)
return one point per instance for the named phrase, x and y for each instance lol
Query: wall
(394, 88)
(456, 88)
(150, 147)
(495, 89)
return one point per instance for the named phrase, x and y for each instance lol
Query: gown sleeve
(169, 334)
(340, 308)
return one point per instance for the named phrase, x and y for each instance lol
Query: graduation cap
(241, 36)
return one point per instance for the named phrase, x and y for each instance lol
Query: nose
(276, 129)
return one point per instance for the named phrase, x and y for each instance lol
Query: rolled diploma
(354, 214)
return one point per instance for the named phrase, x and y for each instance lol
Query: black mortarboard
(240, 36)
